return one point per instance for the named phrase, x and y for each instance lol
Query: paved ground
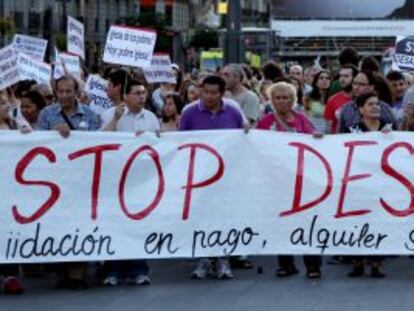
(173, 290)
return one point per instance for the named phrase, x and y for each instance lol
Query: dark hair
(369, 63)
(131, 83)
(119, 77)
(394, 75)
(352, 67)
(184, 90)
(370, 77)
(361, 100)
(316, 94)
(67, 78)
(36, 98)
(23, 86)
(272, 71)
(348, 55)
(215, 80)
(383, 89)
(180, 78)
(178, 105)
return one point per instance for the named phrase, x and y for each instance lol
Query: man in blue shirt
(67, 114)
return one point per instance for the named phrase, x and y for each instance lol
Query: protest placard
(129, 46)
(96, 89)
(160, 70)
(403, 58)
(9, 69)
(72, 65)
(107, 196)
(76, 37)
(35, 47)
(32, 69)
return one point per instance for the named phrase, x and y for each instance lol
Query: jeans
(126, 268)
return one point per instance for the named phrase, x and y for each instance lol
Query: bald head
(296, 71)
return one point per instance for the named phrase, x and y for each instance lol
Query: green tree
(60, 41)
(6, 28)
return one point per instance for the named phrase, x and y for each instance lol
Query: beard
(348, 88)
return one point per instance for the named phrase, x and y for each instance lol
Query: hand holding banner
(129, 46)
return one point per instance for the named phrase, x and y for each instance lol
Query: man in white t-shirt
(131, 116)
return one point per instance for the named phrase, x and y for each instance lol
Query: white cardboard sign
(35, 47)
(129, 46)
(9, 69)
(96, 89)
(76, 37)
(160, 70)
(33, 69)
(72, 65)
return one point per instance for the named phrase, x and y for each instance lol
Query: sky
(336, 8)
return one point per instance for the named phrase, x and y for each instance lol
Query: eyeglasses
(324, 78)
(49, 97)
(357, 83)
(137, 93)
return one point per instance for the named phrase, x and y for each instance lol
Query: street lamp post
(233, 45)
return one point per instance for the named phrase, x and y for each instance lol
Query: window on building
(34, 22)
(18, 20)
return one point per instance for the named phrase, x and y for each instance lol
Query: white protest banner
(9, 69)
(76, 37)
(102, 196)
(341, 28)
(129, 46)
(72, 65)
(35, 47)
(32, 69)
(160, 70)
(96, 89)
(403, 58)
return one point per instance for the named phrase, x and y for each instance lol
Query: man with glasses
(130, 116)
(363, 83)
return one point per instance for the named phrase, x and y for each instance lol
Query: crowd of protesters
(354, 98)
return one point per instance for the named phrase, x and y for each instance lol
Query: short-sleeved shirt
(333, 108)
(249, 103)
(83, 119)
(300, 124)
(197, 117)
(144, 121)
(351, 117)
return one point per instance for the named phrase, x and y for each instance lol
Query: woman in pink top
(283, 98)
(285, 119)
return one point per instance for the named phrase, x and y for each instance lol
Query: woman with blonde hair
(283, 97)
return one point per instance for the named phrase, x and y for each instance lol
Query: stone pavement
(172, 290)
